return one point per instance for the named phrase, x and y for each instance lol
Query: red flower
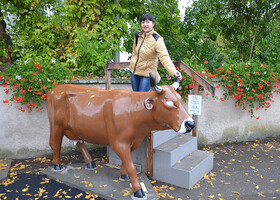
(235, 75)
(217, 86)
(33, 104)
(229, 86)
(4, 85)
(258, 118)
(44, 97)
(34, 74)
(5, 101)
(22, 80)
(228, 71)
(222, 99)
(206, 62)
(253, 90)
(257, 108)
(54, 83)
(1, 77)
(248, 75)
(22, 91)
(236, 105)
(44, 87)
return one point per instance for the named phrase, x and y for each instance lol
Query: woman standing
(148, 47)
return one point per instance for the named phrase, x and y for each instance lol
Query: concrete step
(175, 149)
(194, 166)
(160, 137)
(188, 171)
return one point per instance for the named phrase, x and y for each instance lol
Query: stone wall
(24, 134)
(223, 122)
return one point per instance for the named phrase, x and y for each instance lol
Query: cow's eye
(170, 103)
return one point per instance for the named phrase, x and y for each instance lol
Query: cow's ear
(149, 103)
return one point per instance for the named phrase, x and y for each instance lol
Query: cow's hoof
(91, 166)
(57, 168)
(124, 177)
(139, 194)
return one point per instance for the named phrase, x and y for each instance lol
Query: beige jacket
(150, 47)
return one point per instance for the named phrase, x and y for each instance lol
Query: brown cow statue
(119, 118)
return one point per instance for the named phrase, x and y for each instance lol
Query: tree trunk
(5, 60)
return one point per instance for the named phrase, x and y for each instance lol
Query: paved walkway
(246, 171)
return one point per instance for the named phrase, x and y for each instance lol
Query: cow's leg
(56, 136)
(87, 157)
(124, 175)
(81, 145)
(123, 151)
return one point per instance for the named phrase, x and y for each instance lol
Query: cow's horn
(176, 84)
(153, 83)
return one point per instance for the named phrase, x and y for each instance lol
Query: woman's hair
(147, 16)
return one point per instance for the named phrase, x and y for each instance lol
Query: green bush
(29, 82)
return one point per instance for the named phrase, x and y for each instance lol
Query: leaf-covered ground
(248, 170)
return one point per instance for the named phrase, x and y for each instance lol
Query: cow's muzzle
(189, 126)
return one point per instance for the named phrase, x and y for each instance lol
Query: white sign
(194, 104)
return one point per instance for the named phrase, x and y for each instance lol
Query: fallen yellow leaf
(102, 186)
(127, 192)
(237, 193)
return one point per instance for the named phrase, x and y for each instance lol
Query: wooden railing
(197, 80)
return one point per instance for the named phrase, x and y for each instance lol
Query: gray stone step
(160, 137)
(187, 171)
(195, 165)
(175, 149)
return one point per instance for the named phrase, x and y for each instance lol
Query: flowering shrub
(252, 86)
(30, 82)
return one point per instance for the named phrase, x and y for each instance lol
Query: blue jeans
(140, 83)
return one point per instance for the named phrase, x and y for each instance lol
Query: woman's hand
(178, 75)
